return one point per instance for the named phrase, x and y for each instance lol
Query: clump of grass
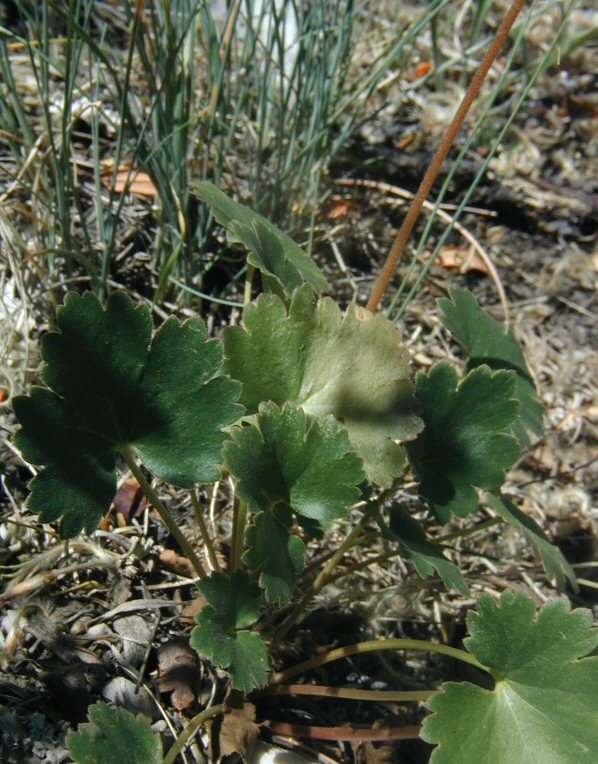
(260, 101)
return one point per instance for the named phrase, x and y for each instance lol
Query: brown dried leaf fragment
(177, 563)
(130, 501)
(179, 673)
(238, 733)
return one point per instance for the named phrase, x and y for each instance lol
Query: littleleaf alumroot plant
(312, 413)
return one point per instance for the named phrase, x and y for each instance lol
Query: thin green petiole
(153, 497)
(239, 522)
(375, 646)
(248, 284)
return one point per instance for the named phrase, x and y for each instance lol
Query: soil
(66, 636)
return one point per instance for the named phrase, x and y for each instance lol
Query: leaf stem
(239, 521)
(373, 646)
(153, 497)
(350, 693)
(189, 731)
(210, 551)
(320, 581)
(248, 284)
(415, 208)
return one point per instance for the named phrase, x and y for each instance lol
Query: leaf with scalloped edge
(288, 462)
(425, 555)
(487, 341)
(114, 735)
(466, 442)
(544, 705)
(270, 250)
(114, 387)
(222, 633)
(290, 459)
(555, 565)
(352, 366)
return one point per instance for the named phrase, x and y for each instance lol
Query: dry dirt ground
(76, 619)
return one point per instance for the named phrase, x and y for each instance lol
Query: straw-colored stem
(415, 208)
(205, 534)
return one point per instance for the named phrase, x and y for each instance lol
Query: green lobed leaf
(288, 461)
(114, 387)
(465, 443)
(291, 459)
(221, 632)
(270, 250)
(114, 736)
(425, 555)
(352, 366)
(555, 565)
(79, 478)
(487, 341)
(544, 705)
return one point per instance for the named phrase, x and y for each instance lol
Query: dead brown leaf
(179, 673)
(376, 753)
(130, 501)
(130, 181)
(238, 733)
(192, 609)
(177, 563)
(460, 259)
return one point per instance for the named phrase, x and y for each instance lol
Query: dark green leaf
(353, 367)
(276, 553)
(425, 555)
(556, 566)
(114, 736)
(544, 705)
(79, 480)
(221, 632)
(117, 388)
(486, 341)
(270, 250)
(465, 442)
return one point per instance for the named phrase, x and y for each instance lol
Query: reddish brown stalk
(344, 733)
(473, 90)
(349, 693)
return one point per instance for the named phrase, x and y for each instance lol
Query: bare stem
(205, 534)
(374, 646)
(410, 219)
(153, 497)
